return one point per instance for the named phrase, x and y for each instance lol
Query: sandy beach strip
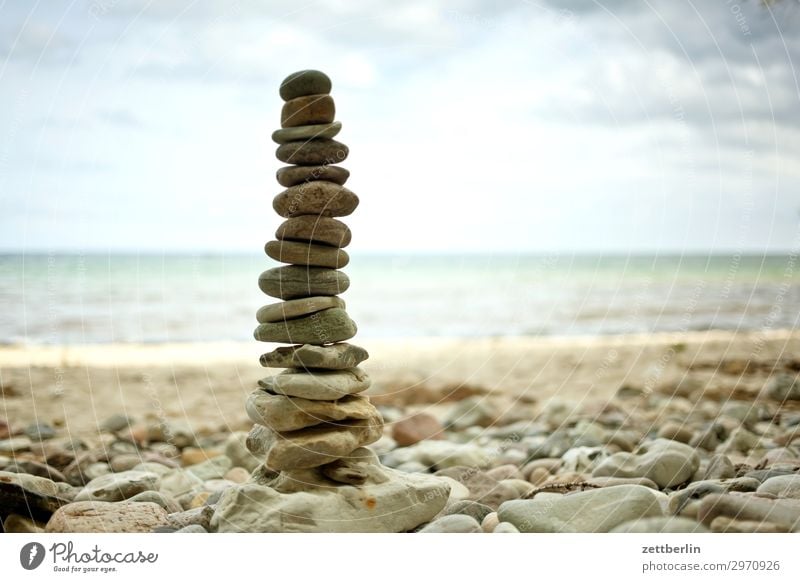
(205, 384)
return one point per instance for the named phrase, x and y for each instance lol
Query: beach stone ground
(673, 458)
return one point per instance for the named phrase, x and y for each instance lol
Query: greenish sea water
(95, 298)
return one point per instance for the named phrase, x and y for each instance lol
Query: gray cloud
(34, 43)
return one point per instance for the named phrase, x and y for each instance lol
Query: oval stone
(301, 253)
(282, 413)
(320, 198)
(304, 132)
(335, 357)
(308, 110)
(291, 282)
(317, 385)
(314, 152)
(322, 444)
(324, 327)
(319, 229)
(301, 83)
(296, 308)
(292, 175)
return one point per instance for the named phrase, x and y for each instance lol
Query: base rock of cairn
(312, 422)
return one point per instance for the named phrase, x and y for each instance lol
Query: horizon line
(414, 253)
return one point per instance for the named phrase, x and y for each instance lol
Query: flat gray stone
(781, 486)
(118, 486)
(319, 198)
(295, 308)
(458, 523)
(389, 501)
(319, 385)
(309, 254)
(308, 110)
(169, 504)
(665, 462)
(314, 152)
(293, 282)
(683, 498)
(179, 482)
(669, 524)
(595, 511)
(334, 357)
(293, 175)
(306, 82)
(316, 229)
(194, 516)
(213, 468)
(442, 455)
(303, 132)
(194, 528)
(284, 413)
(317, 445)
(719, 467)
(783, 512)
(323, 327)
(505, 527)
(30, 496)
(477, 511)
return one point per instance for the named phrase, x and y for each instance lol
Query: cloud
(35, 43)
(531, 125)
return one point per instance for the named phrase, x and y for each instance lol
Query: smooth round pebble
(293, 282)
(315, 229)
(458, 523)
(314, 152)
(308, 254)
(318, 198)
(306, 82)
(490, 522)
(296, 308)
(292, 175)
(505, 527)
(308, 110)
(303, 132)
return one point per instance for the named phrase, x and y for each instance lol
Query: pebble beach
(674, 432)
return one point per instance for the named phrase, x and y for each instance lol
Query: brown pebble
(538, 475)
(289, 176)
(308, 110)
(192, 456)
(199, 500)
(419, 427)
(238, 475)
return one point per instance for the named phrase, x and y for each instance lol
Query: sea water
(102, 298)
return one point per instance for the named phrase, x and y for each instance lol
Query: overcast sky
(635, 126)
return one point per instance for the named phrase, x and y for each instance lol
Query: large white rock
(389, 501)
(594, 511)
(106, 517)
(665, 462)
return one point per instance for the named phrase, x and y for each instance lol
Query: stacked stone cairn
(312, 422)
(312, 412)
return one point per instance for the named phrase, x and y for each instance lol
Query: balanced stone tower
(312, 421)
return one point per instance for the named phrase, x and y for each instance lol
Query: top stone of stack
(302, 83)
